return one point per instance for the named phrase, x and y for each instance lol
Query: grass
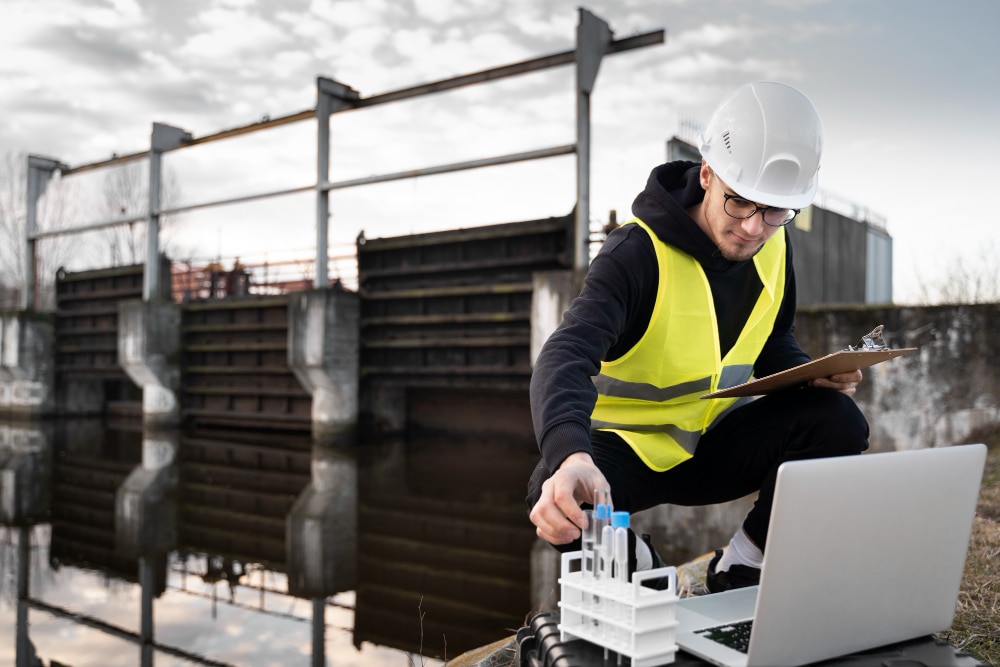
(976, 629)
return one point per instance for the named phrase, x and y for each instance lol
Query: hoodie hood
(671, 189)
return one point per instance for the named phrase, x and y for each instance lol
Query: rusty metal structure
(594, 40)
(445, 363)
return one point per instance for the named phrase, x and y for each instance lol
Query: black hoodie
(612, 311)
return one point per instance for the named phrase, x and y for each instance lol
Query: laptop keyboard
(734, 635)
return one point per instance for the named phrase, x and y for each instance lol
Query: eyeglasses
(740, 208)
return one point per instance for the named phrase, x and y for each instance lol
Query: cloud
(709, 36)
(232, 35)
(439, 12)
(346, 15)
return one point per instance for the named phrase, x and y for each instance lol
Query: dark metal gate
(454, 308)
(234, 366)
(88, 379)
(446, 328)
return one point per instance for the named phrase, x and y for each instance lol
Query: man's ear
(705, 175)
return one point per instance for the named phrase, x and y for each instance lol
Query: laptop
(862, 551)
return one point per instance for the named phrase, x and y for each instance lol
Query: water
(441, 567)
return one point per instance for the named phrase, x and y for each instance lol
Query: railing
(199, 279)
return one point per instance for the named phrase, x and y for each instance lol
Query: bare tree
(965, 280)
(126, 193)
(56, 207)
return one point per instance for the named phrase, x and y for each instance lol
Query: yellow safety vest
(650, 396)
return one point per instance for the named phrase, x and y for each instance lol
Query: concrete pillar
(545, 564)
(321, 528)
(27, 373)
(551, 294)
(323, 351)
(146, 523)
(145, 504)
(148, 351)
(25, 473)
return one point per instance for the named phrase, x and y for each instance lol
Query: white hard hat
(764, 141)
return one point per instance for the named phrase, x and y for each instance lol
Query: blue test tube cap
(619, 519)
(602, 511)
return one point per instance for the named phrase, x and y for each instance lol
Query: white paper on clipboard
(838, 362)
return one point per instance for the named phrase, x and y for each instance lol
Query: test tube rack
(626, 618)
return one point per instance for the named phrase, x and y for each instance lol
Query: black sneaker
(737, 576)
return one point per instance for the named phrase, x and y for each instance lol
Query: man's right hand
(557, 515)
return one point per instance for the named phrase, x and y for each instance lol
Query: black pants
(738, 456)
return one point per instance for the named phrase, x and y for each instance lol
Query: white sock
(741, 551)
(643, 558)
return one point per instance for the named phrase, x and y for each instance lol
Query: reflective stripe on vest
(651, 399)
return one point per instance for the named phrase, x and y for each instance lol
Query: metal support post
(593, 36)
(40, 171)
(331, 96)
(23, 652)
(146, 584)
(164, 138)
(319, 632)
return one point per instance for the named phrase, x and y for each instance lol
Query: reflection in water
(174, 549)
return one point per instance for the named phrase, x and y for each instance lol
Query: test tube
(602, 519)
(620, 525)
(587, 540)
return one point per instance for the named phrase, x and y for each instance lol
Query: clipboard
(838, 362)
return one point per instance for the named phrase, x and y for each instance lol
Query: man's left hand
(845, 383)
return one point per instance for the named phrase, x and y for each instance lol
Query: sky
(903, 88)
(201, 618)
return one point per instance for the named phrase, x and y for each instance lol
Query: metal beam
(163, 138)
(515, 69)
(592, 38)
(455, 166)
(524, 67)
(90, 227)
(40, 172)
(330, 96)
(440, 169)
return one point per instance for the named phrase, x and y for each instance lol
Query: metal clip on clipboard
(870, 341)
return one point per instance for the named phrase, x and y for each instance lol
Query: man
(695, 294)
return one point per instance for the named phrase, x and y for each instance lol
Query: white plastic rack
(626, 618)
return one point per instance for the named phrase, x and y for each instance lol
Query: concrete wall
(933, 397)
